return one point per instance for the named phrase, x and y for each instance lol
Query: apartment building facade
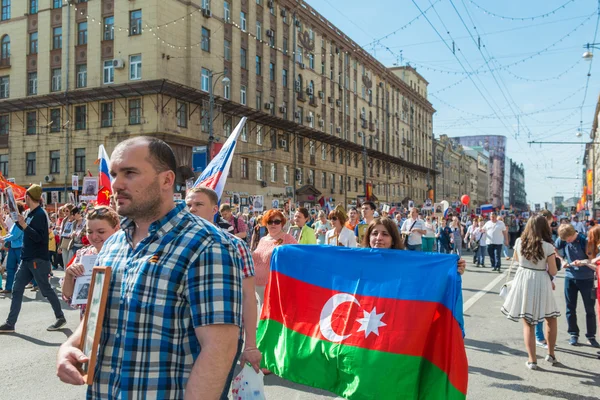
(324, 117)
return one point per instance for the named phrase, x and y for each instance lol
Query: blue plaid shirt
(185, 274)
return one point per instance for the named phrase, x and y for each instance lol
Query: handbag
(404, 238)
(505, 289)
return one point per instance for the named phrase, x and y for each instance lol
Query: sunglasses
(333, 218)
(274, 222)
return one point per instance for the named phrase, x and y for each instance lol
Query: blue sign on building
(199, 158)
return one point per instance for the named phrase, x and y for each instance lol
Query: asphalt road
(494, 347)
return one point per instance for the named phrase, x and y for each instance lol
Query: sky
(511, 68)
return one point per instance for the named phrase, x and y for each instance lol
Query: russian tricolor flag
(104, 178)
(486, 209)
(215, 174)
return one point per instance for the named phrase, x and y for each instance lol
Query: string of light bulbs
(506, 66)
(563, 73)
(534, 17)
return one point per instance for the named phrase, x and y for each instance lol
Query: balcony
(372, 127)
(301, 96)
(313, 160)
(4, 63)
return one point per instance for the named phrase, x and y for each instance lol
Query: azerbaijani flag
(104, 178)
(364, 323)
(215, 174)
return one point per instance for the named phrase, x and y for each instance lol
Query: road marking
(483, 292)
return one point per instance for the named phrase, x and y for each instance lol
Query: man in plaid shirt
(173, 313)
(204, 203)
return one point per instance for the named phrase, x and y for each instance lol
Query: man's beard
(148, 206)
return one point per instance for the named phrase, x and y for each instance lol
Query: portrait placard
(92, 322)
(362, 230)
(295, 232)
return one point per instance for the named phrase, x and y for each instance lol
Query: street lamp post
(211, 106)
(589, 55)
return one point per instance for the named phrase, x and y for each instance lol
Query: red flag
(19, 191)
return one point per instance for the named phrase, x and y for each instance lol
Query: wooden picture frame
(94, 316)
(362, 231)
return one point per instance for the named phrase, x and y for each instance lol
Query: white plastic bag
(248, 385)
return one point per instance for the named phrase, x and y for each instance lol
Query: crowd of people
(188, 278)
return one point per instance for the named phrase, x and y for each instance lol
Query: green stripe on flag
(351, 372)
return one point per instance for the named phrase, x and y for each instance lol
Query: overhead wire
(547, 14)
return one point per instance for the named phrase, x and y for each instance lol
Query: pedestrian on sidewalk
(530, 297)
(429, 237)
(478, 243)
(443, 235)
(578, 279)
(204, 203)
(14, 242)
(414, 229)
(495, 237)
(173, 308)
(35, 262)
(457, 236)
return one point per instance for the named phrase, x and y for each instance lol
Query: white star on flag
(371, 322)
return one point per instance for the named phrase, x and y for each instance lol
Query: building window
(323, 152)
(259, 170)
(4, 124)
(284, 78)
(33, 43)
(109, 72)
(205, 39)
(5, 51)
(135, 67)
(109, 28)
(259, 135)
(205, 81)
(5, 10)
(243, 95)
(244, 134)
(135, 22)
(56, 80)
(227, 51)
(80, 117)
(323, 180)
(81, 33)
(227, 90)
(57, 38)
(244, 165)
(272, 72)
(258, 65)
(55, 119)
(286, 174)
(56, 3)
(285, 45)
(182, 114)
(81, 75)
(31, 123)
(258, 30)
(243, 21)
(311, 61)
(106, 111)
(4, 164)
(30, 159)
(226, 12)
(299, 56)
(135, 112)
(273, 172)
(79, 160)
(259, 100)
(243, 58)
(32, 83)
(55, 162)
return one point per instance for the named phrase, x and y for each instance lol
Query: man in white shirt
(579, 226)
(414, 228)
(496, 235)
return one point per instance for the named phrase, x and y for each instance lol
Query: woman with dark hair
(382, 233)
(530, 297)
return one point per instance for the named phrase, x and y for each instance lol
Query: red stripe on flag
(416, 328)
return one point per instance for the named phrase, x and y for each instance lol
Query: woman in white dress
(530, 297)
(339, 235)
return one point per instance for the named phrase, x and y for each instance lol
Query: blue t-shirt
(575, 251)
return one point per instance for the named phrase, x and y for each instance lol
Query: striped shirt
(185, 274)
